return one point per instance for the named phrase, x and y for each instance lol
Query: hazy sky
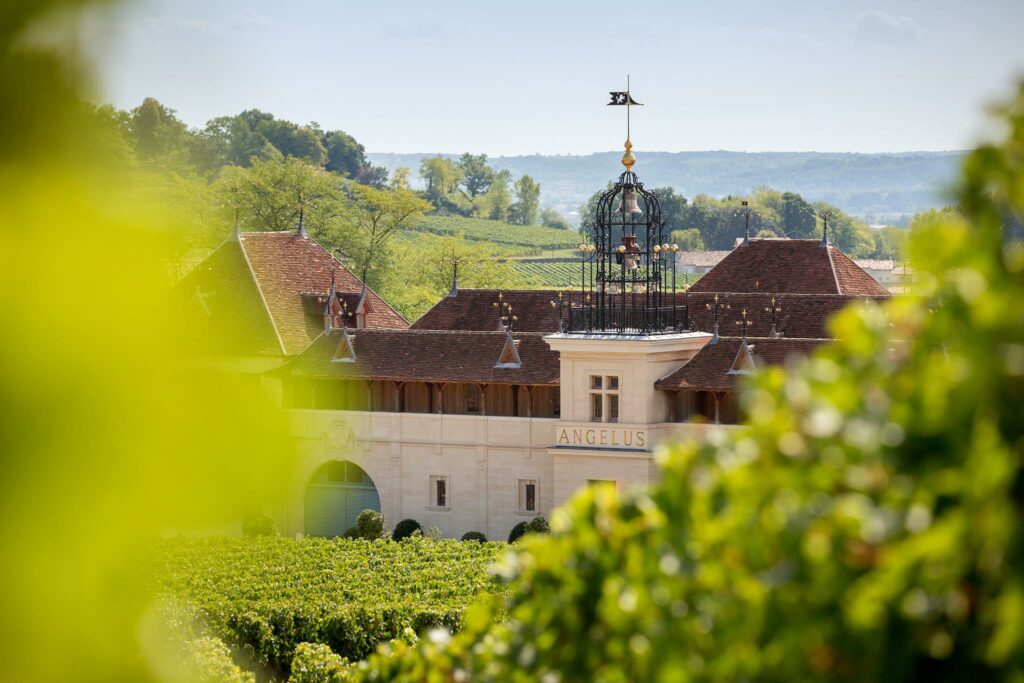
(532, 77)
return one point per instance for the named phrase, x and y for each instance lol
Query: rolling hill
(874, 187)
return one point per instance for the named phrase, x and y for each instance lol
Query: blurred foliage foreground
(865, 526)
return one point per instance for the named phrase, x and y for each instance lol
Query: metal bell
(629, 204)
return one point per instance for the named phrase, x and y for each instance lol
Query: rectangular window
(438, 495)
(604, 398)
(527, 495)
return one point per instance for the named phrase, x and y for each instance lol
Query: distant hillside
(875, 187)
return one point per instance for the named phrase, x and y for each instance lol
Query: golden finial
(628, 159)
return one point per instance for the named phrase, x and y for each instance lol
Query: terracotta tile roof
(222, 308)
(802, 315)
(473, 309)
(285, 266)
(709, 369)
(788, 267)
(429, 356)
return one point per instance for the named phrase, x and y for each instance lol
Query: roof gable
(744, 363)
(345, 353)
(509, 357)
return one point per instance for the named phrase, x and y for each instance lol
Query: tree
(552, 219)
(441, 176)
(422, 271)
(673, 206)
(345, 156)
(890, 242)
(495, 203)
(477, 175)
(400, 178)
(380, 214)
(524, 210)
(271, 194)
(292, 140)
(688, 240)
(797, 216)
(156, 131)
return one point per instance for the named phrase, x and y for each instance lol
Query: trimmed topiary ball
(538, 525)
(370, 525)
(517, 531)
(259, 525)
(405, 529)
(474, 536)
(350, 532)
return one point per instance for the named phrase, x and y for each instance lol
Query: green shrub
(351, 532)
(370, 525)
(405, 529)
(538, 525)
(517, 532)
(474, 536)
(317, 663)
(259, 525)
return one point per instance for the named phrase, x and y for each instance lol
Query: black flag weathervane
(624, 99)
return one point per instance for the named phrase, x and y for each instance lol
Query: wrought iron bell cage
(628, 271)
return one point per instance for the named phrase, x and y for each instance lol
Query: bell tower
(625, 327)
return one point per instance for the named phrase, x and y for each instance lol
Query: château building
(495, 406)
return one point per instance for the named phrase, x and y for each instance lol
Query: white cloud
(879, 28)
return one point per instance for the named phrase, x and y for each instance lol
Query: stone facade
(486, 461)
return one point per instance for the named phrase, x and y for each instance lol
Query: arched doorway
(337, 492)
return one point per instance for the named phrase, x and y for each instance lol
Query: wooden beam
(673, 409)
(529, 400)
(439, 393)
(483, 399)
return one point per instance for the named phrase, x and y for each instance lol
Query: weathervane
(744, 323)
(824, 215)
(745, 212)
(715, 308)
(624, 99)
(505, 317)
